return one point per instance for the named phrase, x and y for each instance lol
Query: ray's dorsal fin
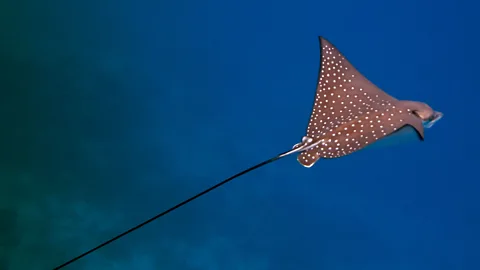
(350, 112)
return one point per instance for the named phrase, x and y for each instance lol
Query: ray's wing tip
(324, 42)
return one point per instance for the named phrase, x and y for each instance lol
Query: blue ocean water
(113, 111)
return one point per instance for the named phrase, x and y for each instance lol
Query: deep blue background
(112, 111)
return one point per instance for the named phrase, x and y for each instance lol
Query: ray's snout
(428, 123)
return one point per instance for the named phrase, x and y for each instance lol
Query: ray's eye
(422, 117)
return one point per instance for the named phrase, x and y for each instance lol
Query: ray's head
(423, 111)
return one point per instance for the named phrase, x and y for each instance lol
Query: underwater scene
(239, 135)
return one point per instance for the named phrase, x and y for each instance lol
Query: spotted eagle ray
(349, 113)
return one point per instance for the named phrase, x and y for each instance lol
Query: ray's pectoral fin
(308, 149)
(367, 130)
(309, 157)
